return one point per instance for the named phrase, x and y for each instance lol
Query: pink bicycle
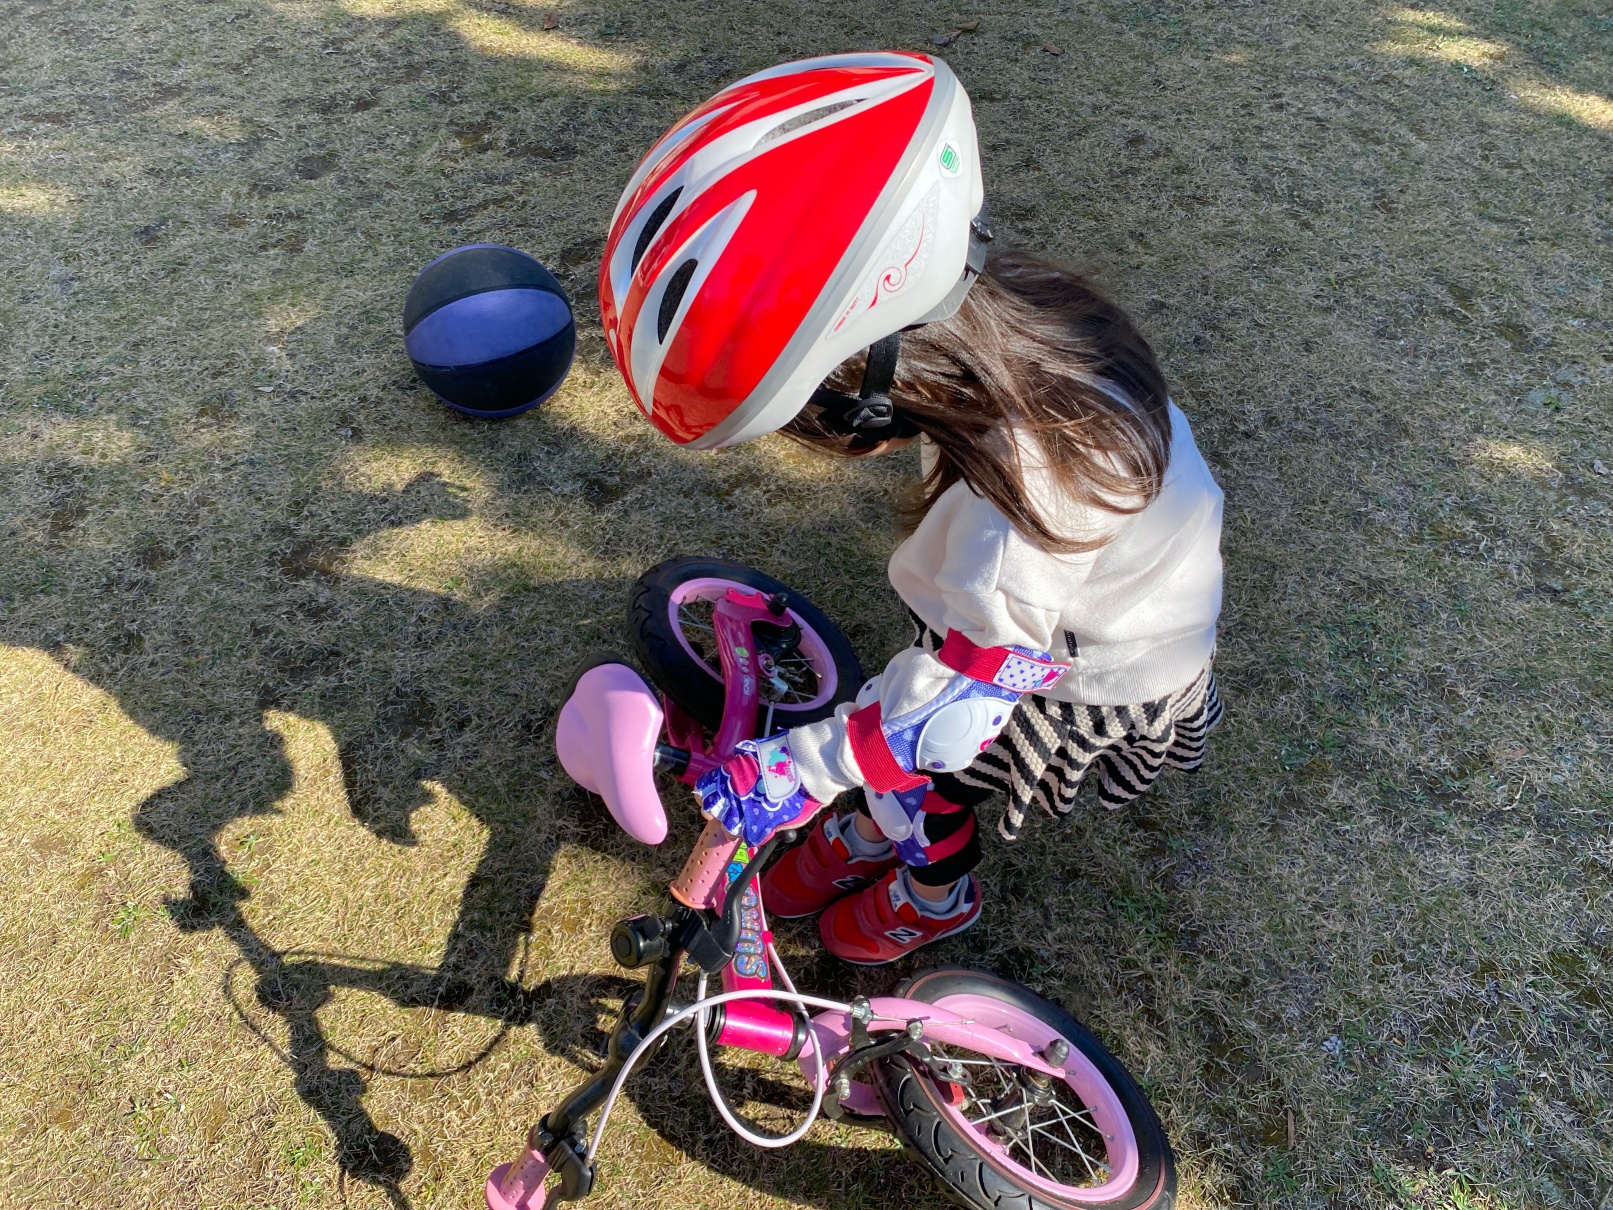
(1001, 1094)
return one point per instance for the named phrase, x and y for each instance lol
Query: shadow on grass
(237, 769)
(367, 658)
(415, 731)
(414, 686)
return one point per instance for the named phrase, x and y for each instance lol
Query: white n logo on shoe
(850, 882)
(903, 934)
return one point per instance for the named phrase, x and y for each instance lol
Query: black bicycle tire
(690, 683)
(972, 1178)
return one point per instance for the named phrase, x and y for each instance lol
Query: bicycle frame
(711, 927)
(748, 1025)
(554, 1145)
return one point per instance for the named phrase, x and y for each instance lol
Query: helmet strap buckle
(870, 412)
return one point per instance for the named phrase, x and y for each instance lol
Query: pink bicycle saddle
(605, 739)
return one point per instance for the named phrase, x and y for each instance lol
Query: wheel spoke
(798, 692)
(1069, 1115)
(991, 1117)
(1030, 1138)
(1066, 1114)
(1076, 1147)
(997, 1103)
(1029, 1149)
(1093, 1163)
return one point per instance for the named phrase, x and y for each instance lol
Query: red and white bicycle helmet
(799, 216)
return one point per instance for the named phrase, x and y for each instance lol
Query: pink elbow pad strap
(878, 763)
(1017, 669)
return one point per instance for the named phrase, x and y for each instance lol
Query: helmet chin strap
(870, 413)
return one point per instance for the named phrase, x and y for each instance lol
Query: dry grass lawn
(296, 908)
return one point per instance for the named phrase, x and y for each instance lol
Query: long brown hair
(1037, 349)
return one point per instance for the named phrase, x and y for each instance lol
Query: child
(820, 223)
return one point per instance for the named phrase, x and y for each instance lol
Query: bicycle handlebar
(705, 872)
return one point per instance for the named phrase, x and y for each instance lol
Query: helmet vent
(803, 119)
(652, 225)
(673, 297)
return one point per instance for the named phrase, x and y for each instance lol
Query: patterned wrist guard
(757, 791)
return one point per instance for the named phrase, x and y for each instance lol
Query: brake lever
(712, 944)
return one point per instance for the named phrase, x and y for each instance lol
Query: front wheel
(998, 1135)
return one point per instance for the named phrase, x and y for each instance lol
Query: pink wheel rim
(1065, 1140)
(813, 650)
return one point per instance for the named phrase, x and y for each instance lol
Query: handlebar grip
(705, 873)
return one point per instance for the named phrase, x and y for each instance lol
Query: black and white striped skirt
(1049, 747)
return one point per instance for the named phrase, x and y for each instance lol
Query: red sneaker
(881, 924)
(811, 876)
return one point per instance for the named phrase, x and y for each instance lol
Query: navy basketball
(489, 330)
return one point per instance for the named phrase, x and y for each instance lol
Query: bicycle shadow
(237, 768)
(384, 668)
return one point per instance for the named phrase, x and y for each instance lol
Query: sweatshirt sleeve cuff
(821, 757)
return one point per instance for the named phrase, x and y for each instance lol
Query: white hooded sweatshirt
(1135, 618)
